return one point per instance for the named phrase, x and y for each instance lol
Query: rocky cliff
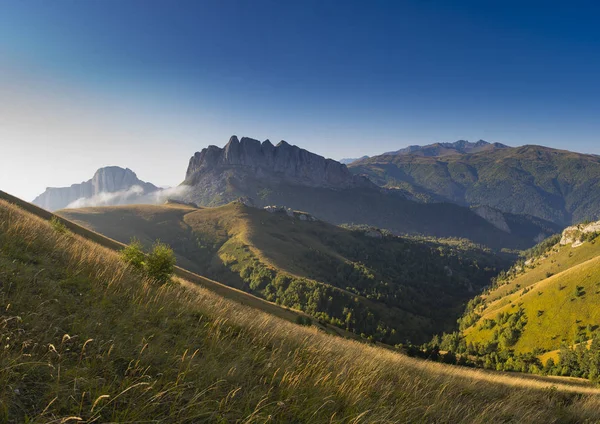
(285, 162)
(109, 185)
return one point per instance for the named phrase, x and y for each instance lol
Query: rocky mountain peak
(283, 161)
(109, 179)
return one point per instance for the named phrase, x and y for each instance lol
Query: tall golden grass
(85, 339)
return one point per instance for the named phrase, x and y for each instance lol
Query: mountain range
(493, 194)
(287, 175)
(554, 185)
(447, 149)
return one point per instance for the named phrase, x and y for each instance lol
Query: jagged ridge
(290, 162)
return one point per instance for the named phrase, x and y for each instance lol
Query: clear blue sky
(146, 83)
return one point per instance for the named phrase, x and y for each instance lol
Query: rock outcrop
(110, 185)
(288, 163)
(575, 235)
(302, 216)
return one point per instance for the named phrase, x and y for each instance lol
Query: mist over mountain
(554, 185)
(111, 185)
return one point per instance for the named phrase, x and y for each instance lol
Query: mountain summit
(447, 149)
(109, 185)
(284, 161)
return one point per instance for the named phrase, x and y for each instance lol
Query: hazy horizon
(145, 84)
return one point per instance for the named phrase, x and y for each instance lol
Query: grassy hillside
(376, 285)
(543, 304)
(85, 340)
(555, 185)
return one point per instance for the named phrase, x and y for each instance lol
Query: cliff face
(111, 179)
(262, 160)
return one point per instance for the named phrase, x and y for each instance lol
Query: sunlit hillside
(547, 302)
(86, 340)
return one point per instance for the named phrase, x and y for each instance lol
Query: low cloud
(134, 195)
(161, 196)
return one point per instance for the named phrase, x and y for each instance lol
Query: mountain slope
(556, 292)
(129, 351)
(554, 185)
(111, 185)
(289, 176)
(367, 282)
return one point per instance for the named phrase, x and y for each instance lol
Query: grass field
(86, 340)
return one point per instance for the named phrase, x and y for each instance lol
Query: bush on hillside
(58, 225)
(159, 264)
(133, 254)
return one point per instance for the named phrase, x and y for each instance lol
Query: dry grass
(84, 339)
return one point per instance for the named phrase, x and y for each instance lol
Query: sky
(145, 84)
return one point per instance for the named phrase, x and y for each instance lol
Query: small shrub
(133, 254)
(160, 263)
(58, 225)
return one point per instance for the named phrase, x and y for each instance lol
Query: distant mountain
(348, 161)
(111, 185)
(554, 185)
(446, 149)
(289, 176)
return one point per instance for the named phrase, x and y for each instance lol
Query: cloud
(161, 196)
(106, 199)
(133, 195)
